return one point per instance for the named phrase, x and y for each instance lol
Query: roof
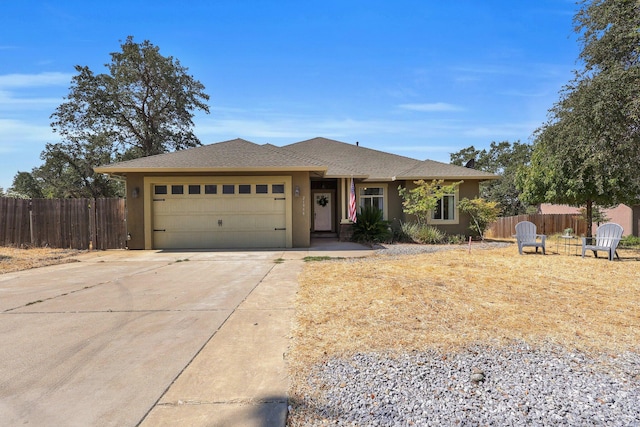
(234, 155)
(329, 158)
(344, 160)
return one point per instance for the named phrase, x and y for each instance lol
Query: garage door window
(177, 189)
(160, 189)
(210, 189)
(194, 189)
(262, 189)
(228, 189)
(244, 189)
(277, 188)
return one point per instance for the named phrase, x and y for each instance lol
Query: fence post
(31, 239)
(92, 224)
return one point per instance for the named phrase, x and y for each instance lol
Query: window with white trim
(372, 195)
(446, 211)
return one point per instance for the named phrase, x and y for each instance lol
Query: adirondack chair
(526, 236)
(606, 239)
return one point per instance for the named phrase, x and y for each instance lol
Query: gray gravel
(512, 386)
(397, 249)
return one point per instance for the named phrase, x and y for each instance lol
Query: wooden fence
(63, 223)
(548, 224)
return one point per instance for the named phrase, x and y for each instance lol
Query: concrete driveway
(125, 338)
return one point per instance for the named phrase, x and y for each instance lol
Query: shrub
(411, 232)
(630, 241)
(456, 239)
(407, 232)
(482, 213)
(370, 227)
(431, 235)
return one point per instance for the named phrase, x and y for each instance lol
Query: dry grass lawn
(451, 299)
(16, 259)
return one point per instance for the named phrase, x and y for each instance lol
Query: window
(372, 196)
(228, 189)
(244, 189)
(262, 189)
(445, 209)
(177, 189)
(194, 189)
(277, 188)
(160, 189)
(210, 189)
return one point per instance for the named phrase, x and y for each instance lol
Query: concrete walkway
(240, 377)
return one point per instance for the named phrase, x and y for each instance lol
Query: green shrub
(370, 227)
(430, 235)
(630, 241)
(407, 232)
(456, 239)
(411, 232)
(482, 213)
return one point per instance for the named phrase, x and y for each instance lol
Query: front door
(322, 212)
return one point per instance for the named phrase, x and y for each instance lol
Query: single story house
(237, 194)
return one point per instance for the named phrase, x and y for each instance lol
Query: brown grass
(451, 299)
(16, 259)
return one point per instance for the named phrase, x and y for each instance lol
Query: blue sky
(421, 79)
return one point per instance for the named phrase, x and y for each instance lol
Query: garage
(223, 212)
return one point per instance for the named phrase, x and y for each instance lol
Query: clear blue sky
(416, 78)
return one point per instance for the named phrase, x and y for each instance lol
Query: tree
(26, 186)
(588, 150)
(68, 169)
(143, 106)
(482, 213)
(424, 198)
(504, 159)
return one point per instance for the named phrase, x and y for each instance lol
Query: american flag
(352, 202)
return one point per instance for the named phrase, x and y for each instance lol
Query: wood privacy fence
(63, 223)
(548, 224)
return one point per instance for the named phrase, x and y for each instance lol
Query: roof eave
(447, 177)
(354, 176)
(121, 171)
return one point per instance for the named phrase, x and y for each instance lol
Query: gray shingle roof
(357, 161)
(333, 159)
(237, 154)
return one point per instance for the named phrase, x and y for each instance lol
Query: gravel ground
(512, 386)
(397, 249)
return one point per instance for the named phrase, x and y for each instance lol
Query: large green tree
(143, 105)
(25, 185)
(502, 158)
(587, 152)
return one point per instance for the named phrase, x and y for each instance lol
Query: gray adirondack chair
(606, 239)
(526, 236)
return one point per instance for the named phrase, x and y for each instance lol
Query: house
(237, 194)
(621, 214)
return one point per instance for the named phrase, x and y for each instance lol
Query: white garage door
(219, 215)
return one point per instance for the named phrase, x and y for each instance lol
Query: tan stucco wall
(300, 205)
(135, 211)
(395, 205)
(301, 209)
